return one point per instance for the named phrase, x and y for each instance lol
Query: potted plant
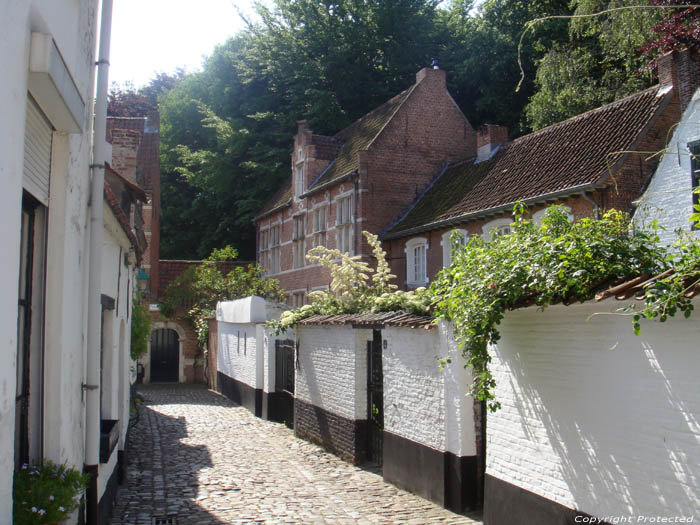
(46, 493)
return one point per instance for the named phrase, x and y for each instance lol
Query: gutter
(92, 386)
(492, 211)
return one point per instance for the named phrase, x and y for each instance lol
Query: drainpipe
(92, 386)
(596, 211)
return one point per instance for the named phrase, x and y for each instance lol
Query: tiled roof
(281, 198)
(383, 319)
(359, 136)
(636, 287)
(135, 188)
(576, 153)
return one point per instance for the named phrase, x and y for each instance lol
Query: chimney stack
(488, 138)
(680, 69)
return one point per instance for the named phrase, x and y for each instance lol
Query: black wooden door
(165, 356)
(284, 382)
(375, 398)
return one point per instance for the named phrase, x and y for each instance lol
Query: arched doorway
(165, 356)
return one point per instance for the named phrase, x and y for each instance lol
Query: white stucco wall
(421, 402)
(668, 198)
(237, 355)
(332, 370)
(72, 25)
(594, 417)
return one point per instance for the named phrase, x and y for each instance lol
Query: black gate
(284, 382)
(165, 356)
(375, 398)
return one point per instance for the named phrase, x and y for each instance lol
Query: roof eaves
(574, 190)
(313, 191)
(272, 210)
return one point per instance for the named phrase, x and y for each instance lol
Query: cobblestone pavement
(198, 457)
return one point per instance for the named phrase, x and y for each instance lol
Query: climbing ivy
(556, 262)
(140, 328)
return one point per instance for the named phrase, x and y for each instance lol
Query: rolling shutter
(37, 153)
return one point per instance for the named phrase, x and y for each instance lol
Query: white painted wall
(421, 402)
(72, 24)
(332, 370)
(237, 354)
(669, 195)
(594, 417)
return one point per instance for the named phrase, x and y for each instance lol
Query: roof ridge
(585, 114)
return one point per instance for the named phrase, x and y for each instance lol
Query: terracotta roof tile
(123, 220)
(359, 136)
(282, 198)
(567, 155)
(383, 318)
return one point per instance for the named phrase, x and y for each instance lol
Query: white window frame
(299, 185)
(416, 276)
(320, 225)
(446, 244)
(539, 214)
(496, 226)
(344, 224)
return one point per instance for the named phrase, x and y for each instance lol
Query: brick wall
(594, 417)
(427, 131)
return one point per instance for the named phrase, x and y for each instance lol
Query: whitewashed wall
(668, 198)
(332, 370)
(421, 402)
(72, 24)
(594, 417)
(237, 355)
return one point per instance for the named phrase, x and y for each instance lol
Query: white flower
(61, 509)
(33, 509)
(41, 512)
(51, 498)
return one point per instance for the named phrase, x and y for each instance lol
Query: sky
(153, 36)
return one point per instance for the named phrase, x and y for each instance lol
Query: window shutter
(37, 154)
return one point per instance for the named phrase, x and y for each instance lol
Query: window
(497, 227)
(270, 249)
(447, 245)
(344, 225)
(539, 215)
(320, 226)
(416, 262)
(299, 246)
(694, 149)
(296, 299)
(299, 180)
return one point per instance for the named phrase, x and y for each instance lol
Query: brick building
(599, 160)
(359, 179)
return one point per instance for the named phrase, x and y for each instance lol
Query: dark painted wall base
(506, 504)
(442, 477)
(346, 438)
(279, 407)
(121, 466)
(109, 497)
(240, 393)
(91, 502)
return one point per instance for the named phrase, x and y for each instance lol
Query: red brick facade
(424, 131)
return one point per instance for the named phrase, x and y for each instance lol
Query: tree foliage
(200, 287)
(140, 328)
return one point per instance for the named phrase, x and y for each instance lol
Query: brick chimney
(680, 69)
(432, 74)
(488, 138)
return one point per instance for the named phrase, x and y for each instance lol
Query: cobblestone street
(196, 456)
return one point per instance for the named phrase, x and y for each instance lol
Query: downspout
(354, 214)
(596, 210)
(92, 386)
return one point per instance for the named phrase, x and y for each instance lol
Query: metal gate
(375, 398)
(165, 356)
(284, 382)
